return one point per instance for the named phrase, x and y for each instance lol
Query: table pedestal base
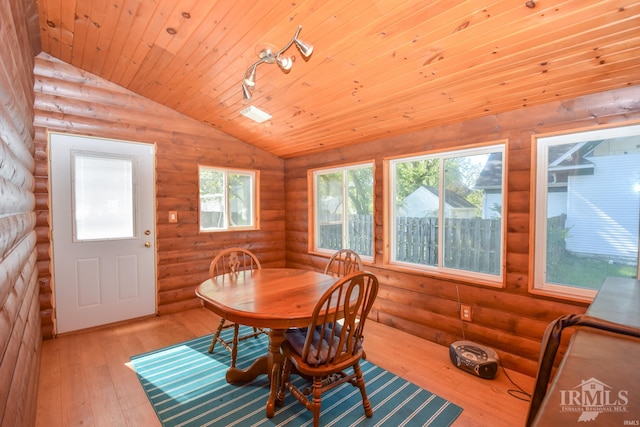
(269, 364)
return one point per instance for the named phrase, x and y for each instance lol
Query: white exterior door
(103, 230)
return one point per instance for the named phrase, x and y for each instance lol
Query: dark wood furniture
(343, 262)
(274, 298)
(229, 261)
(330, 344)
(597, 377)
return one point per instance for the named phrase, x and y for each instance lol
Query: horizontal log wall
(20, 333)
(509, 319)
(70, 100)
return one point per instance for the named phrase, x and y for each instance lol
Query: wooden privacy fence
(360, 231)
(471, 244)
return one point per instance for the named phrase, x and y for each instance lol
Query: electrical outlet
(465, 312)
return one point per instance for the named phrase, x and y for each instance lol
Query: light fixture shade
(270, 56)
(246, 94)
(285, 63)
(250, 79)
(305, 49)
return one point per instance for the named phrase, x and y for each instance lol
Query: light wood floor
(85, 378)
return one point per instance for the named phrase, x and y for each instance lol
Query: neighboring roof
(426, 199)
(452, 199)
(571, 156)
(491, 175)
(564, 160)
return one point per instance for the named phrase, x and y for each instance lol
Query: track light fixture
(268, 57)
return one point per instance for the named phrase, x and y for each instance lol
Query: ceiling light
(245, 92)
(250, 79)
(305, 49)
(254, 113)
(267, 56)
(285, 63)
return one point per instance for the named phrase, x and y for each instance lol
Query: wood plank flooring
(85, 378)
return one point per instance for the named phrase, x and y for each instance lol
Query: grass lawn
(586, 273)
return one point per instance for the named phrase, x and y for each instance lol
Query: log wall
(20, 334)
(68, 99)
(509, 319)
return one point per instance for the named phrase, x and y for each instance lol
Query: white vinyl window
(587, 210)
(445, 212)
(103, 208)
(228, 199)
(343, 209)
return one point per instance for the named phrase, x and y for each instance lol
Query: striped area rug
(187, 387)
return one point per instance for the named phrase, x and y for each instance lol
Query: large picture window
(445, 212)
(587, 210)
(343, 209)
(228, 199)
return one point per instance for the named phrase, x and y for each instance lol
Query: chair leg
(234, 349)
(286, 373)
(216, 335)
(316, 403)
(360, 382)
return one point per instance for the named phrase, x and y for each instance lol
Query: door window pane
(103, 197)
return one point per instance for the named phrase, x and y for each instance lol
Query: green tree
(211, 181)
(415, 174)
(360, 190)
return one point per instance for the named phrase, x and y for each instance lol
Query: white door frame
(104, 280)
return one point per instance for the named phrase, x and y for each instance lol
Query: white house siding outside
(423, 203)
(603, 209)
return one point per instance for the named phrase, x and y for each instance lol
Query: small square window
(228, 199)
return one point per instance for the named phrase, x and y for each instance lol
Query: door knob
(147, 244)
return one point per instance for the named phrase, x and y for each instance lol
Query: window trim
(311, 186)
(484, 279)
(539, 205)
(255, 202)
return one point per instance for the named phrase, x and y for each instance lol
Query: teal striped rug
(187, 387)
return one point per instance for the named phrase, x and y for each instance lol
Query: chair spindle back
(343, 263)
(339, 317)
(233, 260)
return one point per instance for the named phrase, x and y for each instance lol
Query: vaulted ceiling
(378, 68)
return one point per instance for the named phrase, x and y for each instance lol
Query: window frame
(540, 143)
(255, 198)
(313, 226)
(78, 155)
(389, 196)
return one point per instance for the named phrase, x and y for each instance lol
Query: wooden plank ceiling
(379, 68)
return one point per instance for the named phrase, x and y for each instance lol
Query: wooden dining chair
(327, 348)
(233, 261)
(343, 262)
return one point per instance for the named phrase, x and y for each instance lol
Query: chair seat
(296, 337)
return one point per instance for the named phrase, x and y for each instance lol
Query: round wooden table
(274, 298)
